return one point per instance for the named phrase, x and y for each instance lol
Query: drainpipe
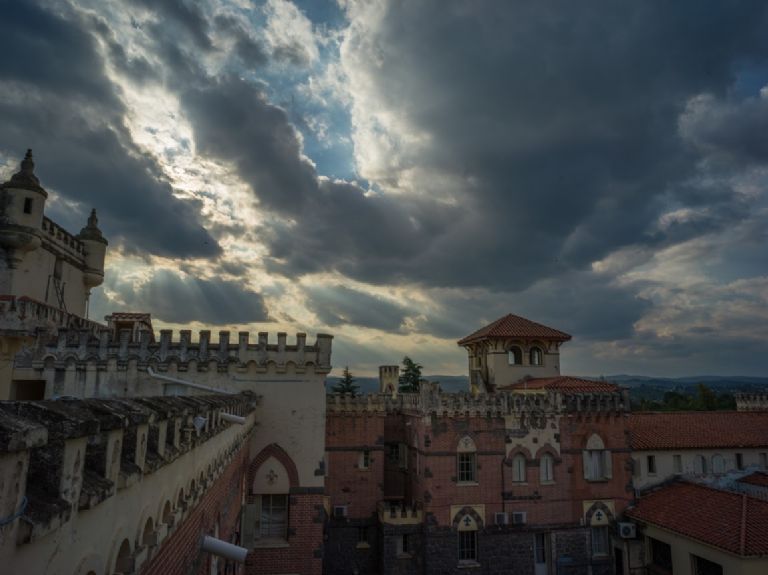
(153, 374)
(224, 549)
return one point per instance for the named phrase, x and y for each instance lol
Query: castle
(127, 451)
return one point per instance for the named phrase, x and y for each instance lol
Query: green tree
(410, 378)
(706, 400)
(346, 384)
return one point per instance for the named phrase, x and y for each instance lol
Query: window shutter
(587, 463)
(607, 464)
(249, 524)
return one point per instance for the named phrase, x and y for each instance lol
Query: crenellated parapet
(101, 348)
(751, 401)
(435, 403)
(64, 457)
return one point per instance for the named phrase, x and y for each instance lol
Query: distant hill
(640, 386)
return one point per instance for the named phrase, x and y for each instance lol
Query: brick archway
(467, 511)
(273, 450)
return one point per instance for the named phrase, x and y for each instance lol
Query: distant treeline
(698, 398)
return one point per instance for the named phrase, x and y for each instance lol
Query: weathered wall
(100, 473)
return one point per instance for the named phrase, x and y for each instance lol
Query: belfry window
(27, 205)
(536, 357)
(515, 356)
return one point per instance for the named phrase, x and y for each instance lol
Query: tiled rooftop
(731, 521)
(756, 478)
(698, 429)
(515, 326)
(562, 383)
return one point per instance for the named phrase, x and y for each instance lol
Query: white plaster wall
(665, 465)
(683, 548)
(92, 537)
(292, 414)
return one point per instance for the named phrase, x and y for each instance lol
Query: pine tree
(346, 383)
(411, 379)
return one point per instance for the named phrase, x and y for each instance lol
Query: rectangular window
(764, 461)
(651, 460)
(739, 461)
(599, 541)
(403, 547)
(661, 556)
(362, 536)
(546, 472)
(27, 205)
(466, 465)
(703, 566)
(677, 463)
(467, 545)
(540, 548)
(273, 519)
(402, 456)
(597, 464)
(365, 459)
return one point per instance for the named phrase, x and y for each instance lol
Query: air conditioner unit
(339, 511)
(518, 518)
(627, 530)
(501, 518)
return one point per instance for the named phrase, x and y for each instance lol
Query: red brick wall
(304, 552)
(347, 435)
(180, 552)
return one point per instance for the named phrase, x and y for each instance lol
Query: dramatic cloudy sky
(400, 173)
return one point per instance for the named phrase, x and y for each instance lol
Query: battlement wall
(85, 475)
(751, 401)
(63, 241)
(464, 404)
(83, 346)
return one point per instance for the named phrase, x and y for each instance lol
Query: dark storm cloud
(250, 52)
(566, 118)
(732, 131)
(182, 299)
(340, 305)
(57, 100)
(185, 16)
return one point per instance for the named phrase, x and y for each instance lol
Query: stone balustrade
(53, 232)
(20, 315)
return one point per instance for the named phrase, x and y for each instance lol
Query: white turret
(95, 251)
(22, 201)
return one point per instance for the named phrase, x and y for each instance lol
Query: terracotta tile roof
(562, 383)
(515, 326)
(731, 521)
(698, 429)
(756, 478)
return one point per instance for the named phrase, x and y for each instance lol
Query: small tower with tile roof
(512, 349)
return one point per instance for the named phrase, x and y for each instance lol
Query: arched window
(124, 562)
(536, 356)
(518, 468)
(466, 460)
(700, 465)
(718, 463)
(546, 468)
(597, 460)
(148, 535)
(515, 355)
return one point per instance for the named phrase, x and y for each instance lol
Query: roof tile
(731, 521)
(698, 429)
(562, 383)
(515, 326)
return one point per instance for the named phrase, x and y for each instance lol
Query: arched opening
(536, 356)
(519, 468)
(124, 561)
(180, 498)
(148, 535)
(700, 465)
(167, 513)
(515, 355)
(718, 463)
(546, 468)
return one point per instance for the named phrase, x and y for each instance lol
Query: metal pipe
(224, 549)
(232, 418)
(175, 380)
